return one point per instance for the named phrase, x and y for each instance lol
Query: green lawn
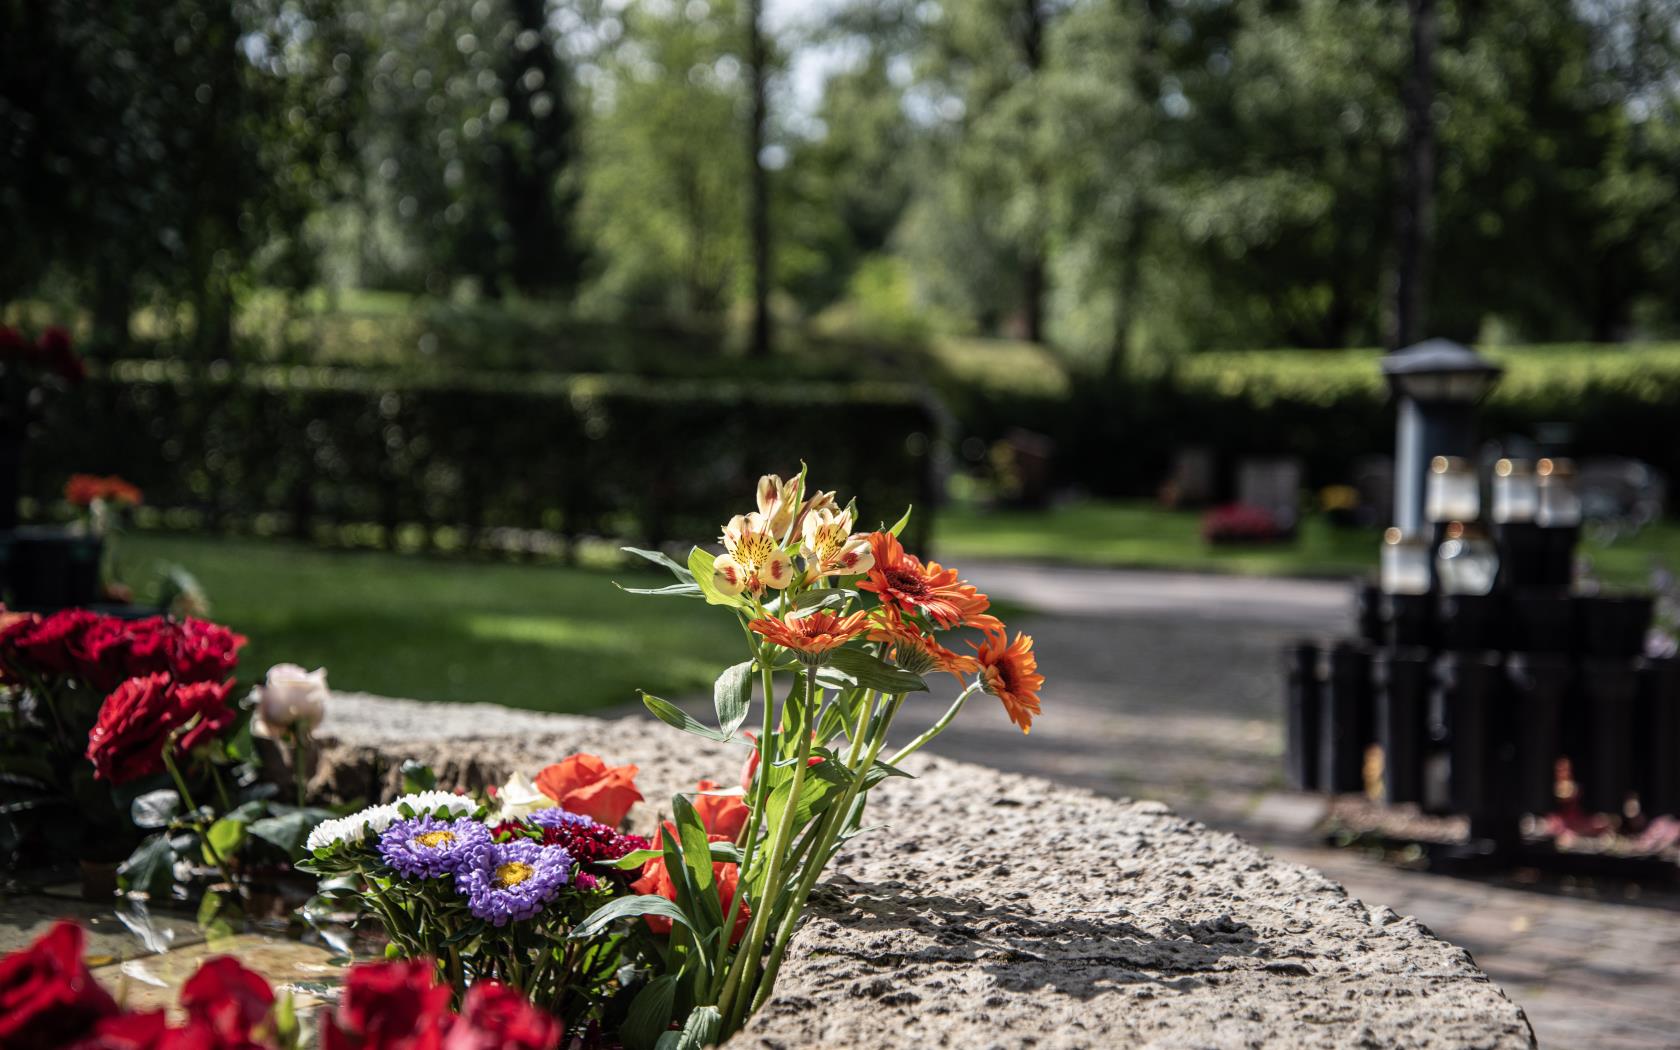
(535, 636)
(1143, 535)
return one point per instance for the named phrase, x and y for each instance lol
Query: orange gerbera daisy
(974, 605)
(1010, 673)
(901, 581)
(915, 650)
(813, 633)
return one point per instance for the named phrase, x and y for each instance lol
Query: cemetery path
(1168, 686)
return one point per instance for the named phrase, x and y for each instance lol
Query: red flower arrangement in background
(53, 351)
(83, 489)
(49, 999)
(1240, 523)
(160, 677)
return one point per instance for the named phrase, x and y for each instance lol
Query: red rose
(228, 1000)
(496, 1016)
(389, 1006)
(585, 784)
(201, 651)
(137, 718)
(144, 1031)
(721, 815)
(49, 646)
(13, 346)
(48, 997)
(56, 351)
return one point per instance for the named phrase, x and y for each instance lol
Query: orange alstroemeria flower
(723, 815)
(902, 581)
(914, 649)
(584, 784)
(813, 633)
(656, 881)
(1010, 673)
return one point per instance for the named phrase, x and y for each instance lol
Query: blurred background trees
(1125, 181)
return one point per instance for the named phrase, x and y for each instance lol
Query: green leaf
(417, 777)
(700, 564)
(634, 859)
(702, 1028)
(624, 908)
(673, 715)
(898, 526)
(812, 797)
(681, 590)
(288, 828)
(871, 672)
(696, 856)
(732, 696)
(650, 1013)
(155, 808)
(150, 869)
(224, 837)
(682, 574)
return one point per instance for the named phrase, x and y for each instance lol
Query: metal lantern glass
(1516, 492)
(1452, 493)
(1559, 505)
(1467, 562)
(1405, 564)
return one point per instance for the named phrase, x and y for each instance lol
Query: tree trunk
(1415, 215)
(1128, 270)
(758, 204)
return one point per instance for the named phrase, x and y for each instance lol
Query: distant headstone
(1373, 479)
(1273, 484)
(1191, 483)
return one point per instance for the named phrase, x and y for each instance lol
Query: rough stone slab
(1003, 910)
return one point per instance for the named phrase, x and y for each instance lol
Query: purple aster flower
(513, 880)
(555, 817)
(428, 848)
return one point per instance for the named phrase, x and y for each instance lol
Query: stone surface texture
(995, 909)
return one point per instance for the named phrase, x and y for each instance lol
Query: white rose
(520, 798)
(292, 698)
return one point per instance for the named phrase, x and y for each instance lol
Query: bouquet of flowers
(130, 728)
(675, 942)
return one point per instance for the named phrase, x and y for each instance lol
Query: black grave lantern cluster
(1477, 665)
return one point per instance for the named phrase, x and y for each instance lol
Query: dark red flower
(229, 1000)
(137, 718)
(201, 651)
(13, 346)
(60, 356)
(389, 1006)
(48, 997)
(495, 1016)
(141, 1031)
(48, 646)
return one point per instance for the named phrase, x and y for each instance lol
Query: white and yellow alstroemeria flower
(829, 546)
(520, 798)
(755, 559)
(778, 504)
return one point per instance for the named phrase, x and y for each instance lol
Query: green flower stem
(937, 728)
(221, 788)
(175, 774)
(838, 816)
(734, 998)
(300, 765)
(727, 969)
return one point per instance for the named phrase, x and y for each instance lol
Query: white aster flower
(432, 801)
(353, 829)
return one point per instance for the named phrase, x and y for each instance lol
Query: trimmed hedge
(574, 455)
(1329, 408)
